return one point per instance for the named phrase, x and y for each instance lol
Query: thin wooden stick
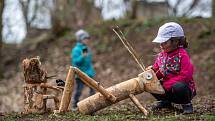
(137, 103)
(130, 49)
(92, 83)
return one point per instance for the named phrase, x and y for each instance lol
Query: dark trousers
(79, 88)
(179, 93)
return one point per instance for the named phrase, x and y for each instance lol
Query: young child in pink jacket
(174, 69)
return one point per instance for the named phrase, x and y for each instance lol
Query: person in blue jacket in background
(81, 57)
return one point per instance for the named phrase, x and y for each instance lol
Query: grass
(210, 117)
(64, 117)
(108, 117)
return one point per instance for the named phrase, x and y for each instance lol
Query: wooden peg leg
(137, 103)
(67, 93)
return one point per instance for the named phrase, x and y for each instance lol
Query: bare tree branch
(192, 6)
(175, 8)
(25, 9)
(35, 12)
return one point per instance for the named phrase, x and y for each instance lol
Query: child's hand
(149, 67)
(84, 54)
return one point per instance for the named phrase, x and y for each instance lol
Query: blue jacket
(83, 63)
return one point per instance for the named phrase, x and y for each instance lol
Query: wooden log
(95, 85)
(121, 91)
(67, 93)
(98, 101)
(138, 104)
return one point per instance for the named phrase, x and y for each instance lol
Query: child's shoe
(162, 104)
(187, 108)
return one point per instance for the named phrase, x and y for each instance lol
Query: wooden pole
(138, 104)
(93, 84)
(67, 93)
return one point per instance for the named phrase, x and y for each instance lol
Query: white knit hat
(168, 30)
(81, 34)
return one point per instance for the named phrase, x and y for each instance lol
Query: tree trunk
(60, 16)
(1, 27)
(134, 9)
(74, 14)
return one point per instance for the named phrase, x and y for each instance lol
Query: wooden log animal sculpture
(35, 88)
(146, 81)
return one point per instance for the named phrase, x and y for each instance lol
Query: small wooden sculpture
(35, 88)
(146, 81)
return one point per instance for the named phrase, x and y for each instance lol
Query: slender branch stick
(138, 104)
(130, 49)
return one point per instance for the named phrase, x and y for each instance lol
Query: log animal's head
(151, 82)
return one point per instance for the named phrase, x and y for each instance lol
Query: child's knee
(180, 87)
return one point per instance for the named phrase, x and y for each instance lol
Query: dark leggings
(179, 93)
(79, 88)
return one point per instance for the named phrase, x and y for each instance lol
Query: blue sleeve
(77, 57)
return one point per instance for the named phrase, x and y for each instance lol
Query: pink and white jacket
(174, 67)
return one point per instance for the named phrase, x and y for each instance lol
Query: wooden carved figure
(36, 87)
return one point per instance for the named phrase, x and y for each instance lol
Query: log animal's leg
(137, 103)
(67, 93)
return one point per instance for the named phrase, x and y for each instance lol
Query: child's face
(166, 46)
(85, 41)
